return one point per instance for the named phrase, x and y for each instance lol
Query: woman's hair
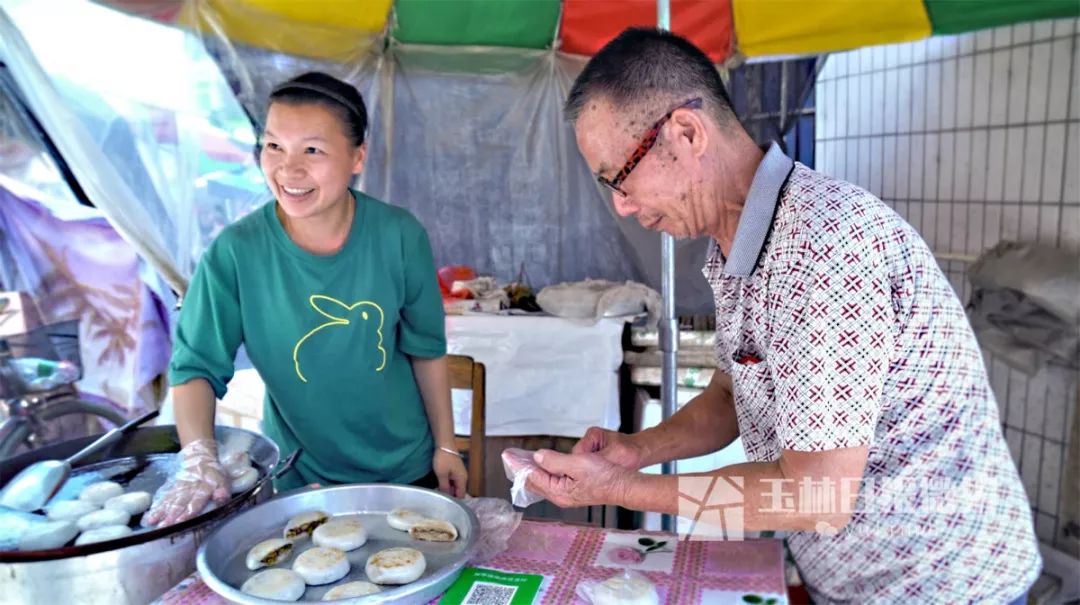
(340, 97)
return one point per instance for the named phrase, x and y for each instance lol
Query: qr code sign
(486, 593)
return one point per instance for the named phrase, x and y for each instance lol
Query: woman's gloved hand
(201, 479)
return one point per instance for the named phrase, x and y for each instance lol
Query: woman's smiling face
(307, 159)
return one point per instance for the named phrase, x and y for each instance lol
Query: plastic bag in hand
(624, 588)
(198, 485)
(498, 521)
(518, 465)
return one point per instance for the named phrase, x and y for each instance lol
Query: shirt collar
(757, 214)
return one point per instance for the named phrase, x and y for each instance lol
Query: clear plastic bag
(518, 465)
(43, 374)
(624, 588)
(498, 521)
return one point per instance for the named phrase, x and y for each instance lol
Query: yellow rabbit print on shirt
(327, 307)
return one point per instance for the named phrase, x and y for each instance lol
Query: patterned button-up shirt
(839, 330)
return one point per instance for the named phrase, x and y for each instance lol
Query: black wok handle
(287, 464)
(280, 469)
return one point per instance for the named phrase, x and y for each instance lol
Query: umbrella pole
(668, 328)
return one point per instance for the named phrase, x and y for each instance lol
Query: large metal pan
(137, 568)
(221, 557)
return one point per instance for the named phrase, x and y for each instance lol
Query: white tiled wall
(973, 139)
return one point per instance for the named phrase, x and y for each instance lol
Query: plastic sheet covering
(477, 147)
(473, 142)
(487, 204)
(156, 140)
(25, 165)
(253, 72)
(27, 171)
(1025, 305)
(787, 27)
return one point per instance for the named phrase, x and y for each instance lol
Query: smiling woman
(342, 317)
(311, 149)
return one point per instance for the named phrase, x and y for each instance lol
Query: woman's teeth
(292, 191)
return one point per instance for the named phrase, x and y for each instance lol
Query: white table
(545, 375)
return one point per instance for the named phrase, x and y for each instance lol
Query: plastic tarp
(472, 140)
(474, 143)
(953, 17)
(26, 167)
(487, 163)
(587, 25)
(1025, 305)
(156, 150)
(97, 174)
(511, 23)
(783, 27)
(521, 354)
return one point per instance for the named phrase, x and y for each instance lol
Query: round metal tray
(221, 558)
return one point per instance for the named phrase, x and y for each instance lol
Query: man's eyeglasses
(647, 143)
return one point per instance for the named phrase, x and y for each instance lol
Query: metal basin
(221, 557)
(138, 568)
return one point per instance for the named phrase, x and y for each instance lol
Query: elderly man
(845, 360)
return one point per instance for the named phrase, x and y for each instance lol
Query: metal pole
(783, 98)
(668, 328)
(663, 14)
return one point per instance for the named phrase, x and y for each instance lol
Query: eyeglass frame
(643, 148)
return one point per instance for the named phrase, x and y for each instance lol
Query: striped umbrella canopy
(727, 30)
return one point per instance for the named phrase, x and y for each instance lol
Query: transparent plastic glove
(624, 588)
(200, 480)
(518, 465)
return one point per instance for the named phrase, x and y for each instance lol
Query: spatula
(34, 485)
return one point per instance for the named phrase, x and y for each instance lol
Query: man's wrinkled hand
(573, 480)
(617, 448)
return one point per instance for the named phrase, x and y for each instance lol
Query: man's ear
(689, 128)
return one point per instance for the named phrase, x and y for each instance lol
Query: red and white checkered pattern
(863, 342)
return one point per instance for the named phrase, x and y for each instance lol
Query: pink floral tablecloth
(566, 555)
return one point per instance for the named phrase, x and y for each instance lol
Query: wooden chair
(467, 373)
